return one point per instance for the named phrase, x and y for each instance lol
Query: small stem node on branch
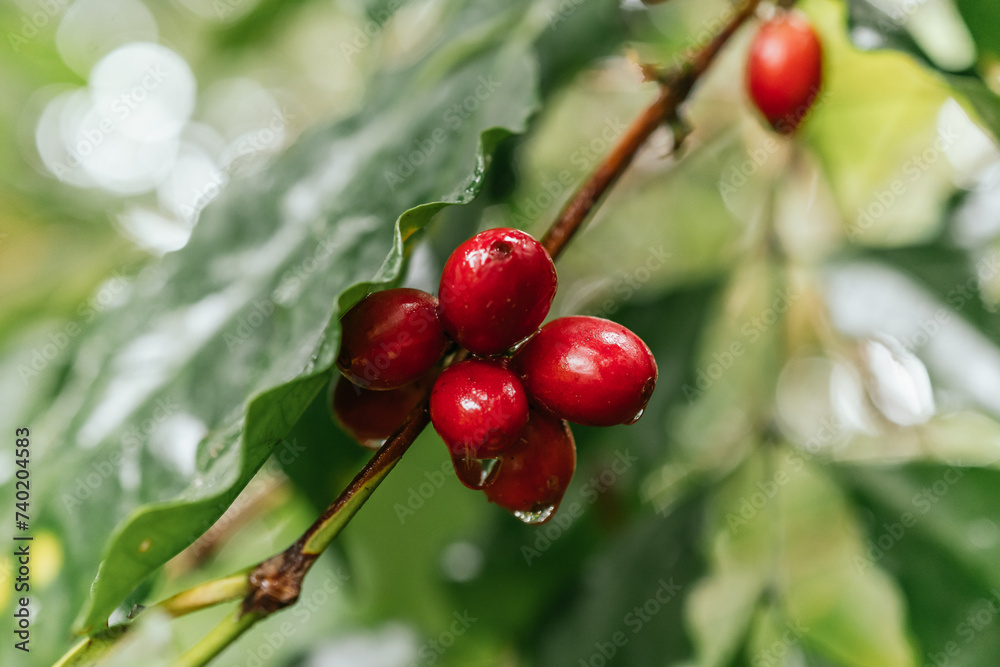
(276, 583)
(675, 86)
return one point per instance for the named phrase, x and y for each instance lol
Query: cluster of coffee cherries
(503, 409)
(784, 70)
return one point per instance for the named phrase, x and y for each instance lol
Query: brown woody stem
(675, 86)
(277, 582)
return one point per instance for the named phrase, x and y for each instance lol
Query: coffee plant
(539, 332)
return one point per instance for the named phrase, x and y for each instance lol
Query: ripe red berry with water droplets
(588, 370)
(478, 407)
(372, 416)
(785, 70)
(496, 289)
(391, 338)
(535, 470)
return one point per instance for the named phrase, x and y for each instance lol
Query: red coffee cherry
(391, 338)
(535, 470)
(496, 288)
(372, 416)
(478, 407)
(588, 370)
(785, 70)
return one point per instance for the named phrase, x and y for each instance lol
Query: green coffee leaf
(180, 392)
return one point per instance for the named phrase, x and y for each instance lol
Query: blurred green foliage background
(815, 481)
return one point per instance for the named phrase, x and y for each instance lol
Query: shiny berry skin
(785, 70)
(588, 370)
(496, 288)
(391, 338)
(478, 407)
(536, 469)
(372, 416)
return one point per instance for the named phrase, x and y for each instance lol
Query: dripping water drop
(475, 473)
(637, 417)
(535, 517)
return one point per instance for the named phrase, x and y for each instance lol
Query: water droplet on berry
(637, 417)
(476, 474)
(537, 516)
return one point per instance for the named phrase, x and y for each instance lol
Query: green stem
(208, 594)
(212, 644)
(92, 649)
(333, 520)
(86, 649)
(277, 582)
